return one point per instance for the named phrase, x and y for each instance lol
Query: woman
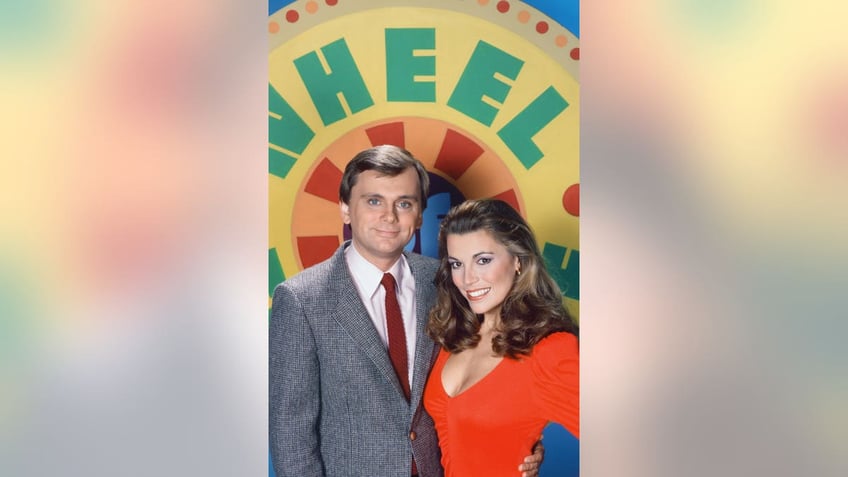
(509, 360)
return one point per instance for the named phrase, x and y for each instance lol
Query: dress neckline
(473, 385)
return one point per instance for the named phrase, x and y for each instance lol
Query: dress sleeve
(555, 364)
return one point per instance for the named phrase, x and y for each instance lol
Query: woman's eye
(455, 265)
(484, 260)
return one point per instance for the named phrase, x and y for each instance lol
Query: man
(349, 355)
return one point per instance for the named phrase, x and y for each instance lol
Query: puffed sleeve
(555, 362)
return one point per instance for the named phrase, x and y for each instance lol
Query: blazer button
(412, 436)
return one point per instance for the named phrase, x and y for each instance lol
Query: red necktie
(397, 336)
(397, 340)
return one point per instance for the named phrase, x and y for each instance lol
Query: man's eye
(404, 204)
(373, 201)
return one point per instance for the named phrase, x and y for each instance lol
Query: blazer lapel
(353, 317)
(424, 346)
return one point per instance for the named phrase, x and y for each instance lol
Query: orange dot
(273, 27)
(561, 40)
(311, 7)
(523, 16)
(483, 2)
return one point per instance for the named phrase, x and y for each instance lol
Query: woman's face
(482, 269)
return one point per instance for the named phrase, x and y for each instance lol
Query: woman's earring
(518, 272)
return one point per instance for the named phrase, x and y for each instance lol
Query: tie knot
(388, 282)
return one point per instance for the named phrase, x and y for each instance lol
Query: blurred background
(132, 261)
(713, 160)
(133, 257)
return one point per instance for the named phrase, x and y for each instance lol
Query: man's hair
(387, 160)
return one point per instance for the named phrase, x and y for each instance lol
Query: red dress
(489, 428)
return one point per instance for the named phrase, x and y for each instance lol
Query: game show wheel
(461, 167)
(468, 157)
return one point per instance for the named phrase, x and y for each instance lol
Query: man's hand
(531, 464)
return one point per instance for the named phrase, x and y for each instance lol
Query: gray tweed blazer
(336, 408)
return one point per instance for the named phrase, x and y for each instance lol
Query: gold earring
(518, 272)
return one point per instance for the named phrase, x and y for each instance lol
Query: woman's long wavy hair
(532, 309)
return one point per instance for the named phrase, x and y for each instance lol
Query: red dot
(503, 7)
(332, 2)
(571, 200)
(575, 53)
(292, 16)
(542, 27)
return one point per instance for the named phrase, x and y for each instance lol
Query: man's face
(383, 214)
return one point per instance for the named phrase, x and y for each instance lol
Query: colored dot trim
(292, 16)
(503, 6)
(542, 27)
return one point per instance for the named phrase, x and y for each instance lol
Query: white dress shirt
(367, 279)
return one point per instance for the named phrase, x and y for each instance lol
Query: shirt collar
(368, 275)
